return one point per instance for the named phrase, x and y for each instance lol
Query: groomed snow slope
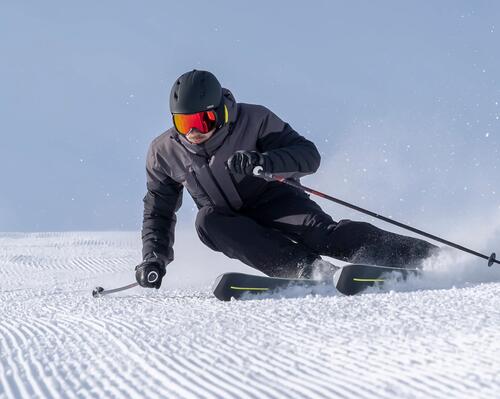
(418, 340)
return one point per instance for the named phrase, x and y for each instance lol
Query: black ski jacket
(173, 163)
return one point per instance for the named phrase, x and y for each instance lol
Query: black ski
(349, 280)
(352, 279)
(235, 285)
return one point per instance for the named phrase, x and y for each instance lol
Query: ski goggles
(204, 122)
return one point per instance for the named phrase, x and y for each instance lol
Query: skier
(212, 150)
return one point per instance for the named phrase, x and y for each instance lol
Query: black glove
(150, 273)
(244, 162)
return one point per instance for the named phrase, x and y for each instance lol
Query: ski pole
(259, 171)
(152, 277)
(99, 291)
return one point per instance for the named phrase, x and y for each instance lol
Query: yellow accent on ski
(367, 280)
(248, 289)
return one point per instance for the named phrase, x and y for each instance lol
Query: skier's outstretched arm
(162, 201)
(289, 154)
(280, 150)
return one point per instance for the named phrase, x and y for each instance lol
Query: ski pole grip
(152, 277)
(258, 170)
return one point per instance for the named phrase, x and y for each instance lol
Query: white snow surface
(436, 337)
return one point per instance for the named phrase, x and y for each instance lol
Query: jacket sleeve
(290, 154)
(162, 201)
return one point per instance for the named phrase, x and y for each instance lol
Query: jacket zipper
(235, 183)
(207, 157)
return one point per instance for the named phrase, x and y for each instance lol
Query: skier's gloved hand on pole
(150, 272)
(244, 162)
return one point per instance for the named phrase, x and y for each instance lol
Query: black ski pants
(288, 230)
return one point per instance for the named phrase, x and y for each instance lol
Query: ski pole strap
(258, 171)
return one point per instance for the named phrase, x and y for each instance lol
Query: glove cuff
(156, 257)
(265, 162)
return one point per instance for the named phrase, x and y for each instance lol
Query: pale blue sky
(402, 98)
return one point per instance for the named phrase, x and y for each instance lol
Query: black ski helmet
(195, 91)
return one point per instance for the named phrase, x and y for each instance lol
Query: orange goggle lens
(203, 121)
